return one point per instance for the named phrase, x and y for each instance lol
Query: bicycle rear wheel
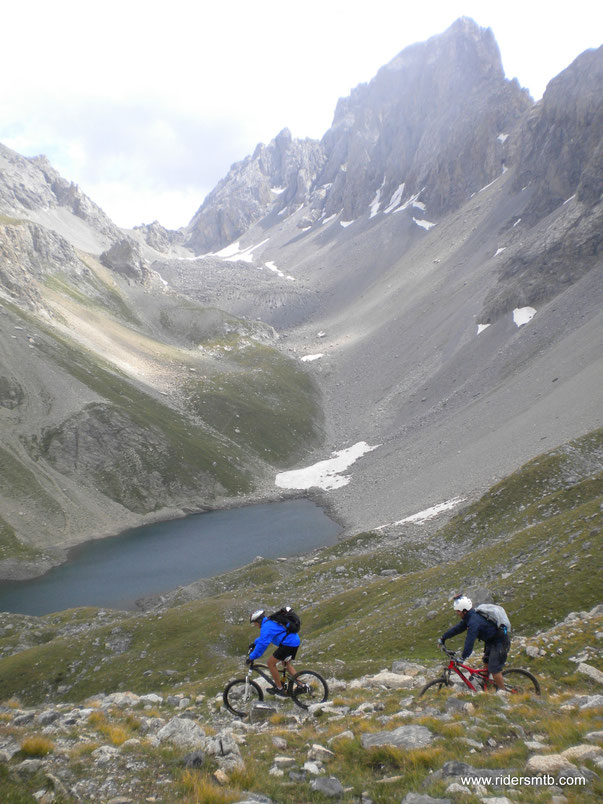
(240, 695)
(435, 685)
(519, 681)
(308, 687)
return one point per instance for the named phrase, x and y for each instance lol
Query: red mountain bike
(517, 681)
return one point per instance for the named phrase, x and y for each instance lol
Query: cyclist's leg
(272, 666)
(291, 654)
(497, 656)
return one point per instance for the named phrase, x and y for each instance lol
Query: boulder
(261, 712)
(183, 733)
(591, 672)
(542, 764)
(411, 736)
(328, 785)
(580, 753)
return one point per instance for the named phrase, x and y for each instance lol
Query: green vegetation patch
(271, 406)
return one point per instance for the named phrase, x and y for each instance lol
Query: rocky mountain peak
(427, 127)
(275, 176)
(29, 186)
(428, 121)
(562, 140)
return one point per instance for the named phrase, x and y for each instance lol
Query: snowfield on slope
(327, 474)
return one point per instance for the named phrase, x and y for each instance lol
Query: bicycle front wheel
(240, 695)
(308, 687)
(435, 685)
(519, 681)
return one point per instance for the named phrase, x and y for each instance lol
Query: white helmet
(256, 616)
(462, 603)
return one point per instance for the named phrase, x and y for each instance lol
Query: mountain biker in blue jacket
(496, 644)
(287, 644)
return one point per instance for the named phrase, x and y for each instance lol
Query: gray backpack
(497, 615)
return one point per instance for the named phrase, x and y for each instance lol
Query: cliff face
(431, 126)
(276, 176)
(434, 120)
(559, 156)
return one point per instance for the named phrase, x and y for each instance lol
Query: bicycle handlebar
(451, 653)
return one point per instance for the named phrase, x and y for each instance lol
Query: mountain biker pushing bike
(496, 643)
(287, 644)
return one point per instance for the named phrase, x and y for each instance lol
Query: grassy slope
(200, 445)
(554, 568)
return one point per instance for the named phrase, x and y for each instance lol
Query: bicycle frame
(258, 668)
(480, 677)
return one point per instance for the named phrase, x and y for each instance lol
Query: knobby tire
(308, 687)
(436, 684)
(520, 681)
(234, 696)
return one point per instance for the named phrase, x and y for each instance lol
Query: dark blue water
(114, 572)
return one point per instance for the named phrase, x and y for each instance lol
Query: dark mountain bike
(304, 688)
(517, 681)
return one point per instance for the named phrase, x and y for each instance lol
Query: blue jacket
(477, 627)
(275, 633)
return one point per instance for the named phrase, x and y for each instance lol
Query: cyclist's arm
(261, 643)
(472, 629)
(456, 629)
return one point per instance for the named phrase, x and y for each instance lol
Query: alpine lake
(116, 571)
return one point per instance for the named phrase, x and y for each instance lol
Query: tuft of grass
(37, 746)
(199, 788)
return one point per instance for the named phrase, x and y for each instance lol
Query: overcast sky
(147, 104)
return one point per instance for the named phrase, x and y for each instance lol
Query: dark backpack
(288, 618)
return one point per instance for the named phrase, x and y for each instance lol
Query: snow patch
(427, 514)
(571, 198)
(488, 185)
(310, 358)
(278, 190)
(502, 137)
(521, 315)
(237, 255)
(326, 475)
(345, 224)
(228, 251)
(376, 202)
(330, 218)
(500, 251)
(395, 199)
(424, 224)
(482, 327)
(516, 222)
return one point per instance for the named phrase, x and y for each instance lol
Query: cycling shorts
(285, 652)
(495, 654)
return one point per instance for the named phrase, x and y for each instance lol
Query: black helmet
(256, 616)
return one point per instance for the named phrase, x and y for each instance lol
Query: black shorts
(495, 654)
(285, 652)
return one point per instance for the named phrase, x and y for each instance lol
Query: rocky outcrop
(560, 164)
(433, 123)
(125, 258)
(30, 253)
(561, 141)
(275, 176)
(28, 185)
(158, 237)
(430, 127)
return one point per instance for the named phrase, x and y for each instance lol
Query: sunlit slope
(120, 400)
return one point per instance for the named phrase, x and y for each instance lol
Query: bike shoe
(275, 691)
